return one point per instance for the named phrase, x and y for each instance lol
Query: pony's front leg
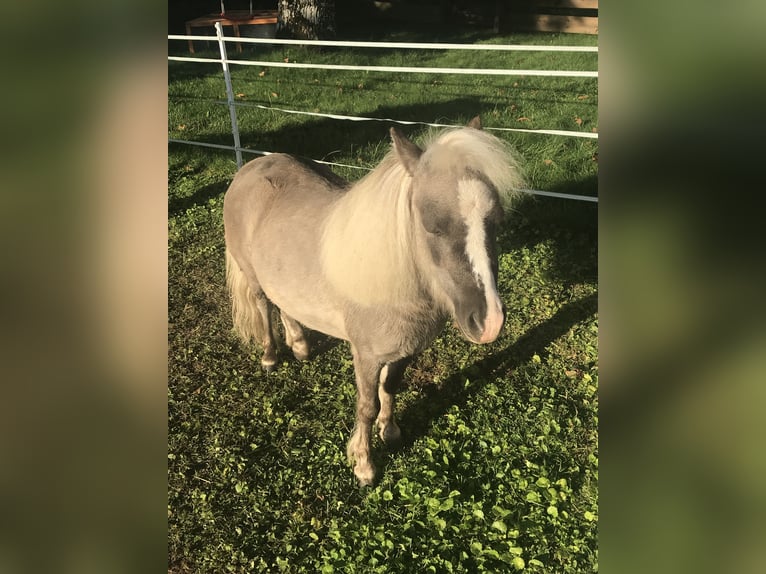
(390, 377)
(366, 371)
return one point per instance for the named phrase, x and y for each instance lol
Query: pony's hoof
(269, 367)
(365, 474)
(390, 434)
(302, 354)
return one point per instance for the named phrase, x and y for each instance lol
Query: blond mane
(367, 246)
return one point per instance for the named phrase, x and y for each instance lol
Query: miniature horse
(381, 263)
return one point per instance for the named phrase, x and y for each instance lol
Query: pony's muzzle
(483, 326)
(493, 322)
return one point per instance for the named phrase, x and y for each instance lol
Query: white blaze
(475, 205)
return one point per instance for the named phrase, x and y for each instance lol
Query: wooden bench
(233, 18)
(572, 16)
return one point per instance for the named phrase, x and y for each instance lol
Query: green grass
(498, 470)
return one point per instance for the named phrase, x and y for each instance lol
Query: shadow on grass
(182, 71)
(319, 344)
(417, 419)
(569, 226)
(201, 196)
(321, 139)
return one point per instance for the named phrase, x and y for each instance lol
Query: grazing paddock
(498, 465)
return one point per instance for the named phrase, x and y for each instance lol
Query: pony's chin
(464, 333)
(483, 338)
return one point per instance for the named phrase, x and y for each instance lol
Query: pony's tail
(247, 319)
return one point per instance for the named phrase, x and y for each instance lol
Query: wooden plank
(234, 18)
(553, 23)
(575, 4)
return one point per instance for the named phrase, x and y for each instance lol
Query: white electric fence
(232, 104)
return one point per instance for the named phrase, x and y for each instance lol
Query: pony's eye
(437, 232)
(433, 223)
(439, 229)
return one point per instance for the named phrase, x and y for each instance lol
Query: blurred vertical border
(83, 334)
(682, 284)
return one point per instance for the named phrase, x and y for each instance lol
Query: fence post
(229, 93)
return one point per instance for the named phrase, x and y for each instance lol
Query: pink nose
(493, 322)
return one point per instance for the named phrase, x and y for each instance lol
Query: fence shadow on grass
(322, 138)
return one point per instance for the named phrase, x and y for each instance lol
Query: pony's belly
(309, 305)
(322, 323)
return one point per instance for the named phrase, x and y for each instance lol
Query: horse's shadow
(320, 343)
(417, 418)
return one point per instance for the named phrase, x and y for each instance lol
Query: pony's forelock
(479, 150)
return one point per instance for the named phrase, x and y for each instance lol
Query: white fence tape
(590, 135)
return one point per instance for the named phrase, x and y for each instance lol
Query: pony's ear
(408, 152)
(475, 123)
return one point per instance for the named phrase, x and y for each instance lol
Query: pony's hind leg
(269, 357)
(251, 310)
(390, 377)
(295, 337)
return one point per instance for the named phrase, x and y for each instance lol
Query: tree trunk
(306, 19)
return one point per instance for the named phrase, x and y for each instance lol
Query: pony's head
(457, 187)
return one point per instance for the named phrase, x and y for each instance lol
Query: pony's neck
(367, 248)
